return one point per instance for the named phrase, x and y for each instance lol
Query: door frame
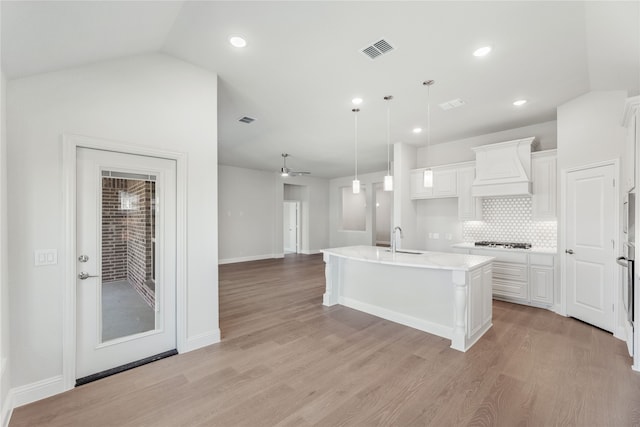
(563, 238)
(298, 227)
(70, 144)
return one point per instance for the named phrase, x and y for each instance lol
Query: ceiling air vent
(454, 103)
(378, 48)
(246, 119)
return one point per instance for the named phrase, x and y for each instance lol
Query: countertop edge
(534, 250)
(404, 263)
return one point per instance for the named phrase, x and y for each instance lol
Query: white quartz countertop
(418, 259)
(533, 250)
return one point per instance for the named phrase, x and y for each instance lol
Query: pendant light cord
(355, 110)
(428, 84)
(388, 139)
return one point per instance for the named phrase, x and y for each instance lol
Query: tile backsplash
(509, 220)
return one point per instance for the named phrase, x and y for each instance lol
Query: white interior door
(290, 226)
(126, 259)
(590, 238)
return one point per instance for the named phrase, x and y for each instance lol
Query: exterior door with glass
(126, 259)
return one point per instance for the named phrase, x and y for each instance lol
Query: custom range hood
(503, 169)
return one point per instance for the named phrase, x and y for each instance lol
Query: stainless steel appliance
(627, 260)
(503, 245)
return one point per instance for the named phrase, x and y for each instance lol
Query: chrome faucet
(393, 238)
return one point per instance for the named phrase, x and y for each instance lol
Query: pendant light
(356, 182)
(388, 179)
(428, 173)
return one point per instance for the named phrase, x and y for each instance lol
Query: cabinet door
(541, 285)
(469, 207)
(445, 183)
(543, 200)
(417, 189)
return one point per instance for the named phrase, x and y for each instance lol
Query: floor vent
(247, 119)
(377, 49)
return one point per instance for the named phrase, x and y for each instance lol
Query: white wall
(250, 213)
(383, 202)
(404, 209)
(149, 100)
(5, 371)
(340, 237)
(246, 215)
(438, 218)
(590, 131)
(460, 150)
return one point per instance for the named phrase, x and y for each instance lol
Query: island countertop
(410, 258)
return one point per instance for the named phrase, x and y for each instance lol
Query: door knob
(569, 251)
(84, 275)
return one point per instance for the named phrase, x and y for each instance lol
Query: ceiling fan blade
(298, 173)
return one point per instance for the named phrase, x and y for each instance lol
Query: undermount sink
(406, 252)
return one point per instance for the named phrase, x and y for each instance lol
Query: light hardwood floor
(287, 360)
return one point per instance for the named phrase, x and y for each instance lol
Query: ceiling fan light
(356, 186)
(388, 183)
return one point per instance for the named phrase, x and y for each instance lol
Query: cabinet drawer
(509, 289)
(536, 259)
(504, 256)
(510, 272)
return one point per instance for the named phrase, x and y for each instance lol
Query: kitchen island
(444, 294)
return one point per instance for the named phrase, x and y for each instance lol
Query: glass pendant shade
(388, 183)
(428, 178)
(356, 186)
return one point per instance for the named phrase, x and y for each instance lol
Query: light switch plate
(45, 257)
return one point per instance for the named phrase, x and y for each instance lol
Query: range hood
(503, 169)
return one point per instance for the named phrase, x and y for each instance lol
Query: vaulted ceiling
(303, 64)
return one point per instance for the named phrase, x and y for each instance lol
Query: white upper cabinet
(543, 199)
(631, 120)
(417, 189)
(444, 183)
(469, 207)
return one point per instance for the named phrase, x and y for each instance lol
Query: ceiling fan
(285, 171)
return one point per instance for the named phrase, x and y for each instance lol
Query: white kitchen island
(444, 294)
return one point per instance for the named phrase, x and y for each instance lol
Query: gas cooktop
(504, 245)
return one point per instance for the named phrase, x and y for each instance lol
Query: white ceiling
(303, 65)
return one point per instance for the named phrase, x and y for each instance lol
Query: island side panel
(473, 312)
(332, 278)
(421, 298)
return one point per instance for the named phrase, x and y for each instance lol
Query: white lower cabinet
(541, 285)
(520, 277)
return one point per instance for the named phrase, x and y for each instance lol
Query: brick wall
(126, 235)
(114, 231)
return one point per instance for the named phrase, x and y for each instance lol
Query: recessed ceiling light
(356, 101)
(519, 102)
(237, 41)
(482, 51)
(417, 130)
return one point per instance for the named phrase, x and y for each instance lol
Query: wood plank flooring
(286, 360)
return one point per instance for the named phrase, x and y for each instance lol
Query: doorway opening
(383, 206)
(294, 215)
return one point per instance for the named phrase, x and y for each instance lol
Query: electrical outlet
(448, 236)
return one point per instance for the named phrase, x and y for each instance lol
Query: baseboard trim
(249, 258)
(7, 409)
(311, 252)
(202, 340)
(36, 391)
(403, 319)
